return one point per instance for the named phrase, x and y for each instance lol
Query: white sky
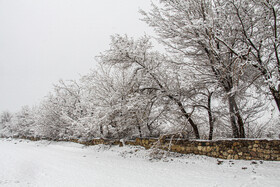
(42, 41)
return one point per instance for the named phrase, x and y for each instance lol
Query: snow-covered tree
(204, 35)
(119, 110)
(259, 27)
(137, 55)
(5, 122)
(5, 117)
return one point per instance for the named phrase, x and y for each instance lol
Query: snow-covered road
(26, 163)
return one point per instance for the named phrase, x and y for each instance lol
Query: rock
(220, 162)
(253, 154)
(235, 144)
(229, 157)
(230, 151)
(255, 145)
(253, 162)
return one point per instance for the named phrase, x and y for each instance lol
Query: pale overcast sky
(42, 41)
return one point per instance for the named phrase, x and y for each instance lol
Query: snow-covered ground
(43, 163)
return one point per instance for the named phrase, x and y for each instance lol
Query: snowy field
(43, 163)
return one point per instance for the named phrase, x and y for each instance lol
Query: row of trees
(220, 77)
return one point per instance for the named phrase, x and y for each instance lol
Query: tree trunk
(194, 126)
(139, 129)
(187, 116)
(179, 103)
(235, 132)
(150, 129)
(239, 120)
(211, 121)
(276, 96)
(101, 130)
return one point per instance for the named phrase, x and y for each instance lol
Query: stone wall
(225, 149)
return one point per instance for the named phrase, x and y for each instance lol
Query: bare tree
(259, 26)
(136, 54)
(201, 33)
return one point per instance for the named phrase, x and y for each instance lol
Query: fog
(42, 41)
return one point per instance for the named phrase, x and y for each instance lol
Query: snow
(44, 163)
